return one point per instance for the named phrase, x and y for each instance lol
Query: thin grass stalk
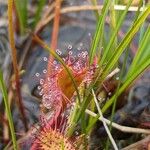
(99, 31)
(14, 60)
(98, 7)
(113, 22)
(142, 29)
(121, 128)
(55, 32)
(104, 123)
(8, 111)
(114, 34)
(71, 9)
(43, 21)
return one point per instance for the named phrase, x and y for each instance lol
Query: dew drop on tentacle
(44, 71)
(79, 55)
(41, 81)
(45, 58)
(55, 62)
(69, 47)
(56, 68)
(37, 74)
(86, 53)
(48, 79)
(39, 87)
(70, 53)
(58, 52)
(41, 92)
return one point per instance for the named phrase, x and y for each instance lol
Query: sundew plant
(81, 92)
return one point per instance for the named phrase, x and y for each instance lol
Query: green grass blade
(22, 12)
(125, 42)
(115, 32)
(128, 81)
(94, 3)
(99, 30)
(142, 30)
(113, 22)
(40, 6)
(143, 52)
(8, 111)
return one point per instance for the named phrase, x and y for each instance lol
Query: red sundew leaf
(49, 139)
(65, 83)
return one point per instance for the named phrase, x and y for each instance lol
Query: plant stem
(55, 32)
(8, 111)
(14, 60)
(104, 123)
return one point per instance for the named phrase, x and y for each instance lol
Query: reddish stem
(55, 32)
(53, 46)
(14, 61)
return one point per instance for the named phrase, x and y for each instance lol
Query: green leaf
(38, 13)
(114, 35)
(142, 52)
(22, 12)
(8, 111)
(99, 30)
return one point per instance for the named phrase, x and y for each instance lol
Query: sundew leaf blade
(54, 54)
